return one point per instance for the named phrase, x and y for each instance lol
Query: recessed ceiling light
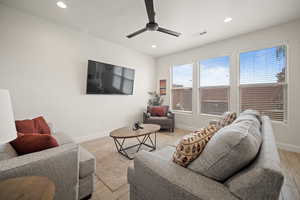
(227, 19)
(61, 4)
(153, 46)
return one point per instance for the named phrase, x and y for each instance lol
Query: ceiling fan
(152, 25)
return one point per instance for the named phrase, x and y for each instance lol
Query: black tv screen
(106, 78)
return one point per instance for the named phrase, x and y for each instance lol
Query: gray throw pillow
(229, 150)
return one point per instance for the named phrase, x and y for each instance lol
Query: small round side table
(27, 188)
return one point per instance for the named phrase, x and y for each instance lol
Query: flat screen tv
(106, 78)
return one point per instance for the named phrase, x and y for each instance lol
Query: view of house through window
(182, 83)
(263, 84)
(214, 85)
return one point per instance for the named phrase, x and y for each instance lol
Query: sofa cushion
(7, 152)
(62, 138)
(191, 146)
(158, 110)
(165, 153)
(30, 143)
(251, 115)
(87, 164)
(231, 149)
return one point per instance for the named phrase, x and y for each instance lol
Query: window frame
(198, 83)
(257, 48)
(234, 72)
(171, 89)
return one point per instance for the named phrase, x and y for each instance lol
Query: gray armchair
(165, 122)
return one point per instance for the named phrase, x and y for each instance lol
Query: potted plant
(155, 100)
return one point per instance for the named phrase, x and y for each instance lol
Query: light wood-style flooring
(290, 164)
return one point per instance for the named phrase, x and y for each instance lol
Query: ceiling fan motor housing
(152, 26)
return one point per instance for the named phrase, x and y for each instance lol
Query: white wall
(287, 135)
(44, 65)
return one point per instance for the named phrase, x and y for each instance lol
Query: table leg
(120, 145)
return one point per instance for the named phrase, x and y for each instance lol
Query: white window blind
(214, 85)
(182, 83)
(263, 85)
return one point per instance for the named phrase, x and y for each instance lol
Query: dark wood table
(27, 188)
(143, 137)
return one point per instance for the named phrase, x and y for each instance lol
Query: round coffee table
(27, 188)
(142, 135)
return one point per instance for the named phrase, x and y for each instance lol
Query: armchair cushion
(41, 125)
(30, 143)
(159, 120)
(25, 126)
(36, 125)
(158, 110)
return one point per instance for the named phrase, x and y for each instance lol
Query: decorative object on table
(163, 87)
(192, 145)
(155, 100)
(121, 134)
(137, 126)
(160, 115)
(7, 129)
(27, 188)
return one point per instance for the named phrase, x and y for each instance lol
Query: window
(263, 85)
(214, 85)
(182, 83)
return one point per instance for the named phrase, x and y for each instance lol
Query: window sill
(284, 123)
(210, 115)
(182, 112)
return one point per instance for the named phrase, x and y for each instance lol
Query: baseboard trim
(288, 147)
(90, 137)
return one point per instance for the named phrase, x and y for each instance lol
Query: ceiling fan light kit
(152, 25)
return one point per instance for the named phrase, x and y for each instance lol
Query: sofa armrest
(145, 115)
(59, 164)
(163, 179)
(171, 115)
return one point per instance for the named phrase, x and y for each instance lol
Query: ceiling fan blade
(136, 33)
(150, 10)
(163, 30)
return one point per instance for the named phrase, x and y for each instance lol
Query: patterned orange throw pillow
(191, 146)
(227, 119)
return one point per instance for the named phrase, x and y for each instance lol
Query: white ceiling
(112, 20)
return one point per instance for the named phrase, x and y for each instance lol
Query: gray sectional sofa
(155, 176)
(69, 166)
